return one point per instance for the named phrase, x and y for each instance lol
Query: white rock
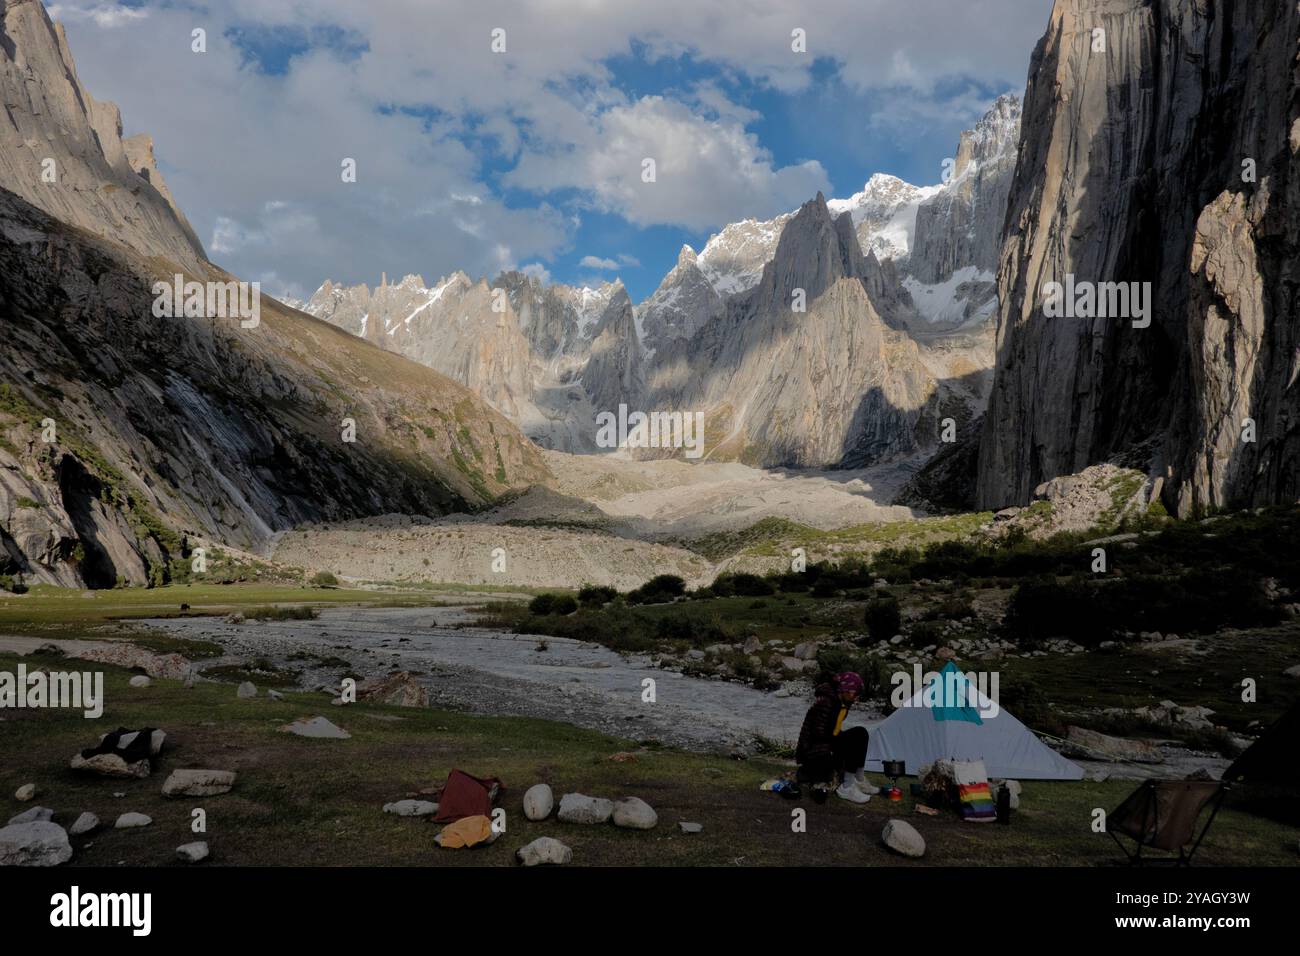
(32, 816)
(139, 680)
(576, 808)
(691, 827)
(901, 837)
(111, 765)
(84, 824)
(129, 821)
(39, 843)
(198, 783)
(275, 695)
(25, 792)
(544, 850)
(633, 813)
(246, 690)
(316, 727)
(539, 801)
(411, 808)
(192, 852)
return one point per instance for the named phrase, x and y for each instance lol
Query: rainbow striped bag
(975, 800)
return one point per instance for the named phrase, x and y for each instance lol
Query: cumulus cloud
(706, 171)
(592, 262)
(419, 100)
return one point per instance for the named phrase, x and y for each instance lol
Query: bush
(564, 604)
(832, 661)
(323, 579)
(742, 585)
(882, 617)
(592, 595)
(658, 590)
(301, 613)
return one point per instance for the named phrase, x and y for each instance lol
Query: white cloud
(420, 77)
(104, 15)
(537, 271)
(629, 260)
(591, 262)
(706, 171)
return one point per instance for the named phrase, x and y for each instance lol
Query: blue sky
(477, 160)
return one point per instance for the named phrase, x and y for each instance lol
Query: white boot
(847, 791)
(859, 780)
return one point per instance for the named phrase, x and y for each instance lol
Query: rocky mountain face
(62, 150)
(129, 433)
(834, 383)
(1160, 146)
(123, 434)
(906, 333)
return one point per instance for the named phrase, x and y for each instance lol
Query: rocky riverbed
(485, 671)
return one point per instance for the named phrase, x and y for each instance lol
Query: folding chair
(1162, 815)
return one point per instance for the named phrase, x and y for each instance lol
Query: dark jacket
(818, 728)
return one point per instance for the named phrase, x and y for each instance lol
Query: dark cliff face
(166, 428)
(1131, 169)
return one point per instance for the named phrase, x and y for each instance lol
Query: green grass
(318, 802)
(53, 612)
(771, 537)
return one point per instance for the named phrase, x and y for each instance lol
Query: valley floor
(319, 802)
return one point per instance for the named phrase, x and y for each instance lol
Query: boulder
(192, 852)
(139, 680)
(111, 765)
(805, 651)
(246, 690)
(691, 827)
(130, 821)
(26, 792)
(39, 843)
(317, 727)
(633, 813)
(544, 850)
(576, 808)
(84, 824)
(198, 783)
(752, 645)
(539, 801)
(34, 815)
(411, 808)
(1292, 671)
(1098, 746)
(275, 695)
(399, 689)
(901, 837)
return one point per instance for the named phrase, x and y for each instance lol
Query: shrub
(882, 617)
(541, 604)
(302, 613)
(592, 595)
(658, 590)
(742, 585)
(323, 579)
(564, 604)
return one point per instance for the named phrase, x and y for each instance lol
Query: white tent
(920, 733)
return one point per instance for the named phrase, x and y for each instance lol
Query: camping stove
(893, 769)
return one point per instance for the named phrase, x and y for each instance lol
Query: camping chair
(1162, 815)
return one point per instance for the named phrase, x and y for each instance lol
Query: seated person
(825, 750)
